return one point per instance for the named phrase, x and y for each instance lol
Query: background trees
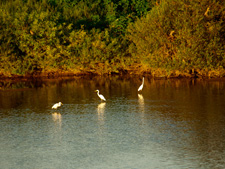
(181, 35)
(107, 36)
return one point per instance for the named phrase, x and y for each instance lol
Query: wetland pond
(174, 123)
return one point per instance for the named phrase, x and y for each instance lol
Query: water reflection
(101, 110)
(141, 102)
(101, 120)
(141, 107)
(177, 123)
(57, 118)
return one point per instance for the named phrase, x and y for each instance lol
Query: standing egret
(142, 85)
(100, 95)
(55, 106)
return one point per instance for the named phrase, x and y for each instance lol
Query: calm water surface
(170, 124)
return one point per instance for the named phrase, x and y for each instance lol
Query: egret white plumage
(142, 85)
(100, 95)
(55, 106)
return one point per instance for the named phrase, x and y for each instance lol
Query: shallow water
(170, 124)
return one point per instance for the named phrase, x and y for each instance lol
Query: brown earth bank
(132, 70)
(39, 79)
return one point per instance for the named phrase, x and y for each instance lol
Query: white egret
(100, 95)
(142, 85)
(55, 106)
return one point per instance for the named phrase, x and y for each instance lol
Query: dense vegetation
(167, 37)
(182, 37)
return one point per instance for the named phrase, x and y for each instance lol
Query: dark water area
(173, 123)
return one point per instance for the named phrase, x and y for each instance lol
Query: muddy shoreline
(40, 80)
(124, 72)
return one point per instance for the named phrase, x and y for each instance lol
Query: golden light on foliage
(49, 37)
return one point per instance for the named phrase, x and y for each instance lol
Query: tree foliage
(181, 35)
(106, 36)
(51, 35)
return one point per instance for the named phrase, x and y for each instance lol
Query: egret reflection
(101, 110)
(141, 100)
(57, 118)
(141, 106)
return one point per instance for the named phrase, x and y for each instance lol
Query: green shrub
(181, 35)
(93, 35)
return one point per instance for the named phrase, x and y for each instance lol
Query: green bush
(105, 36)
(181, 35)
(52, 35)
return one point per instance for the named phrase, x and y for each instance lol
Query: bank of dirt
(135, 70)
